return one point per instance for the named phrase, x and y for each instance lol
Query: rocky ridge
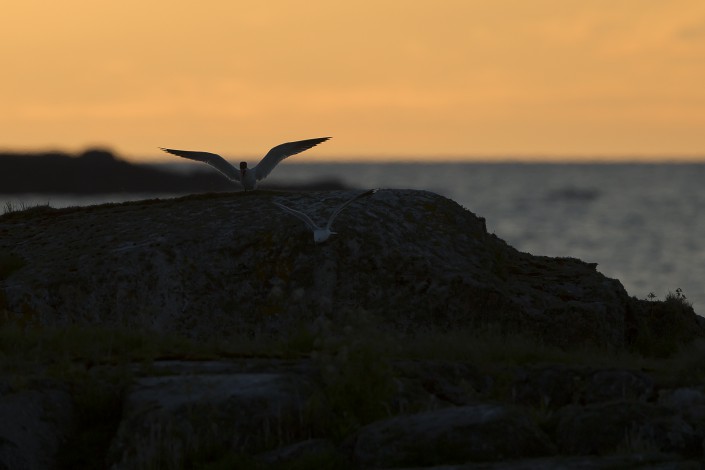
(204, 265)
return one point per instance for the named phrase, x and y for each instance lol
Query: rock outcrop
(209, 264)
(216, 265)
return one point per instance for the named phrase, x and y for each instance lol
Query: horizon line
(566, 159)
(399, 158)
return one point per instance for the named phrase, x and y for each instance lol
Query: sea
(643, 224)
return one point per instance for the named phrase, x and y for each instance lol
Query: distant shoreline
(101, 172)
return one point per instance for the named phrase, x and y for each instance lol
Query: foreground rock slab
(255, 413)
(644, 461)
(451, 435)
(177, 420)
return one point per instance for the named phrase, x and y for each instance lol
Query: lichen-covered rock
(682, 399)
(173, 421)
(34, 424)
(449, 436)
(626, 427)
(222, 263)
(557, 386)
(548, 387)
(618, 385)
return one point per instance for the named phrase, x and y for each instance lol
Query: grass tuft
(664, 327)
(356, 380)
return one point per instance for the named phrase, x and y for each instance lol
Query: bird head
(243, 168)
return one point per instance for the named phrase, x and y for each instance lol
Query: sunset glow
(547, 79)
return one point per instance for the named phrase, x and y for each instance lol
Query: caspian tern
(248, 177)
(321, 234)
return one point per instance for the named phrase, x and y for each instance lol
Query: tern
(321, 234)
(249, 177)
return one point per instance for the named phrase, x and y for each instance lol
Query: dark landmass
(209, 331)
(99, 171)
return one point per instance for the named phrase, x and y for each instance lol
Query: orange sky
(443, 78)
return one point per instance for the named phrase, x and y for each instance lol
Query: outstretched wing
(280, 152)
(214, 160)
(305, 218)
(343, 205)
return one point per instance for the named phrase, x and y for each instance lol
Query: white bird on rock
(321, 234)
(249, 177)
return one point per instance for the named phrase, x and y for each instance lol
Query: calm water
(643, 224)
